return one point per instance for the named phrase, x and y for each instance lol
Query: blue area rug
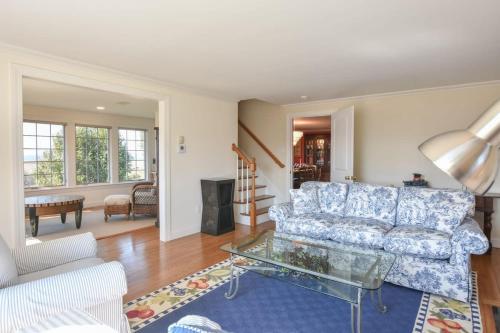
(268, 305)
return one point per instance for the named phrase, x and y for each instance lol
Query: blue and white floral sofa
(430, 230)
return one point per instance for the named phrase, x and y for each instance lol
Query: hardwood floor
(151, 264)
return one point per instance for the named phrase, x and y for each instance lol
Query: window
(92, 155)
(131, 148)
(43, 147)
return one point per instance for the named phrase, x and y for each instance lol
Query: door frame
(289, 141)
(18, 72)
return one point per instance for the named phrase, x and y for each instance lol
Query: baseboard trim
(495, 242)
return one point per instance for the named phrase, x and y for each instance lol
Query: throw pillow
(304, 201)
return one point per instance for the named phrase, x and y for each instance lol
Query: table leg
(78, 215)
(487, 227)
(356, 315)
(33, 221)
(233, 282)
(63, 218)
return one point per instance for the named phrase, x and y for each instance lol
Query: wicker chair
(144, 199)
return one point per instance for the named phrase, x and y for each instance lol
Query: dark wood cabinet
(317, 152)
(218, 214)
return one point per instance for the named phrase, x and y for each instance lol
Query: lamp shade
(470, 155)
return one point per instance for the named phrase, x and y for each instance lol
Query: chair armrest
(280, 213)
(144, 188)
(467, 239)
(26, 304)
(53, 253)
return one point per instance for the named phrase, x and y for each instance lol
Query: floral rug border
(435, 312)
(441, 314)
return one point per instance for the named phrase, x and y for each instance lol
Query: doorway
(68, 176)
(311, 149)
(320, 146)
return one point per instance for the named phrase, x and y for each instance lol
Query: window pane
(92, 163)
(139, 155)
(43, 154)
(42, 129)
(122, 134)
(30, 155)
(130, 135)
(43, 142)
(29, 168)
(57, 167)
(29, 128)
(29, 181)
(81, 131)
(130, 145)
(29, 141)
(139, 145)
(57, 130)
(57, 179)
(57, 155)
(57, 143)
(139, 135)
(140, 165)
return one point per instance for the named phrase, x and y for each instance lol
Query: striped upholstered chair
(41, 281)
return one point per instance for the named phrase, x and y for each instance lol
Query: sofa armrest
(53, 253)
(26, 304)
(467, 239)
(280, 213)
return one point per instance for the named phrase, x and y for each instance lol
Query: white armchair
(57, 276)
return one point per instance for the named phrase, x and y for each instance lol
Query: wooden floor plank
(151, 264)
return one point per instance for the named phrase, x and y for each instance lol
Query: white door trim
(289, 142)
(17, 73)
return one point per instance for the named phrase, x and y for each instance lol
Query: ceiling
(274, 50)
(50, 94)
(312, 124)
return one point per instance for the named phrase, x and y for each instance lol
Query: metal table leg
(233, 282)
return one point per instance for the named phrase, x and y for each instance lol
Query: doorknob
(351, 178)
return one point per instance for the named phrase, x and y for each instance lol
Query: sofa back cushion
(332, 197)
(372, 201)
(8, 270)
(438, 209)
(304, 200)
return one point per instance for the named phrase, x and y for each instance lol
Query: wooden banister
(262, 145)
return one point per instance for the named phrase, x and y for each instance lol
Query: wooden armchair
(144, 199)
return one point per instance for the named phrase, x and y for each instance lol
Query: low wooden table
(53, 204)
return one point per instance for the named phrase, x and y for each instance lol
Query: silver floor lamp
(470, 155)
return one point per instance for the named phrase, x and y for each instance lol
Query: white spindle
(237, 172)
(242, 172)
(248, 194)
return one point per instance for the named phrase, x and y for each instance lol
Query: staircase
(251, 201)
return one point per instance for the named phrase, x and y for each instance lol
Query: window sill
(74, 187)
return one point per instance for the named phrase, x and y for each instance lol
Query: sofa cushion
(436, 209)
(8, 269)
(314, 225)
(304, 201)
(372, 202)
(360, 231)
(332, 197)
(418, 241)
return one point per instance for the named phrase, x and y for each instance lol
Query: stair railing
(248, 168)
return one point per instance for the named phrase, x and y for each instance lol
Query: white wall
(208, 124)
(94, 194)
(388, 130)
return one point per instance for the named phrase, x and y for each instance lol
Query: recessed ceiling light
(303, 97)
(100, 108)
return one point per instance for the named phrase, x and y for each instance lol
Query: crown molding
(394, 93)
(5, 47)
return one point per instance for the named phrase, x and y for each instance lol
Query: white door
(342, 145)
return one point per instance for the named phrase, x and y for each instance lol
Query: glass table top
(331, 267)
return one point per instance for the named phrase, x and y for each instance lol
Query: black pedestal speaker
(217, 217)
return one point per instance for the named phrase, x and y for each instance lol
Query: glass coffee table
(341, 271)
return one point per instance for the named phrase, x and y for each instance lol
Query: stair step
(257, 198)
(259, 211)
(249, 177)
(244, 188)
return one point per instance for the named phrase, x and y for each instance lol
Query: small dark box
(218, 216)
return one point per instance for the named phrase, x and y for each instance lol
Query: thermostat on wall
(181, 148)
